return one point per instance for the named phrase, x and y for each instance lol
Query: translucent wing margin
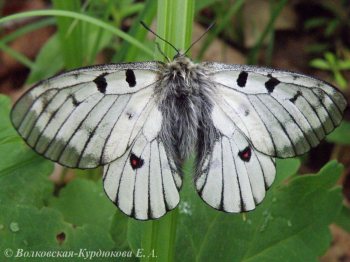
(87, 117)
(282, 113)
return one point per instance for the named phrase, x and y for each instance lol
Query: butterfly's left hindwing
(144, 182)
(87, 117)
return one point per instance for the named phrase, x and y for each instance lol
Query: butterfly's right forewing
(283, 114)
(87, 117)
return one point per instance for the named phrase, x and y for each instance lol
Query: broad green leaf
(285, 168)
(26, 229)
(343, 218)
(341, 134)
(24, 181)
(84, 202)
(6, 128)
(291, 224)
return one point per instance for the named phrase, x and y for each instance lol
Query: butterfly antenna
(149, 29)
(206, 31)
(162, 52)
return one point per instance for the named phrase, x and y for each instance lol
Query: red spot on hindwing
(135, 161)
(245, 154)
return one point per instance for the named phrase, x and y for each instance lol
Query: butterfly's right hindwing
(87, 117)
(235, 176)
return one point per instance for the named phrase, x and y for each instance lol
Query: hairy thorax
(184, 99)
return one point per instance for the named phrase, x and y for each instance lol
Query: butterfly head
(181, 60)
(180, 55)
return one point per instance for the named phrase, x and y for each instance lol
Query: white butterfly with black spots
(142, 121)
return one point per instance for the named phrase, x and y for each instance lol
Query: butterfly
(142, 121)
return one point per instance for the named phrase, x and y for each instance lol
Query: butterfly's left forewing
(87, 117)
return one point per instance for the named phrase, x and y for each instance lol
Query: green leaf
(341, 134)
(343, 218)
(341, 81)
(330, 58)
(286, 168)
(26, 228)
(291, 224)
(25, 183)
(331, 27)
(344, 64)
(320, 64)
(84, 202)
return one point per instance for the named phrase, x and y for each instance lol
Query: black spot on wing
(130, 115)
(75, 101)
(242, 79)
(295, 97)
(101, 83)
(271, 83)
(245, 154)
(135, 161)
(130, 77)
